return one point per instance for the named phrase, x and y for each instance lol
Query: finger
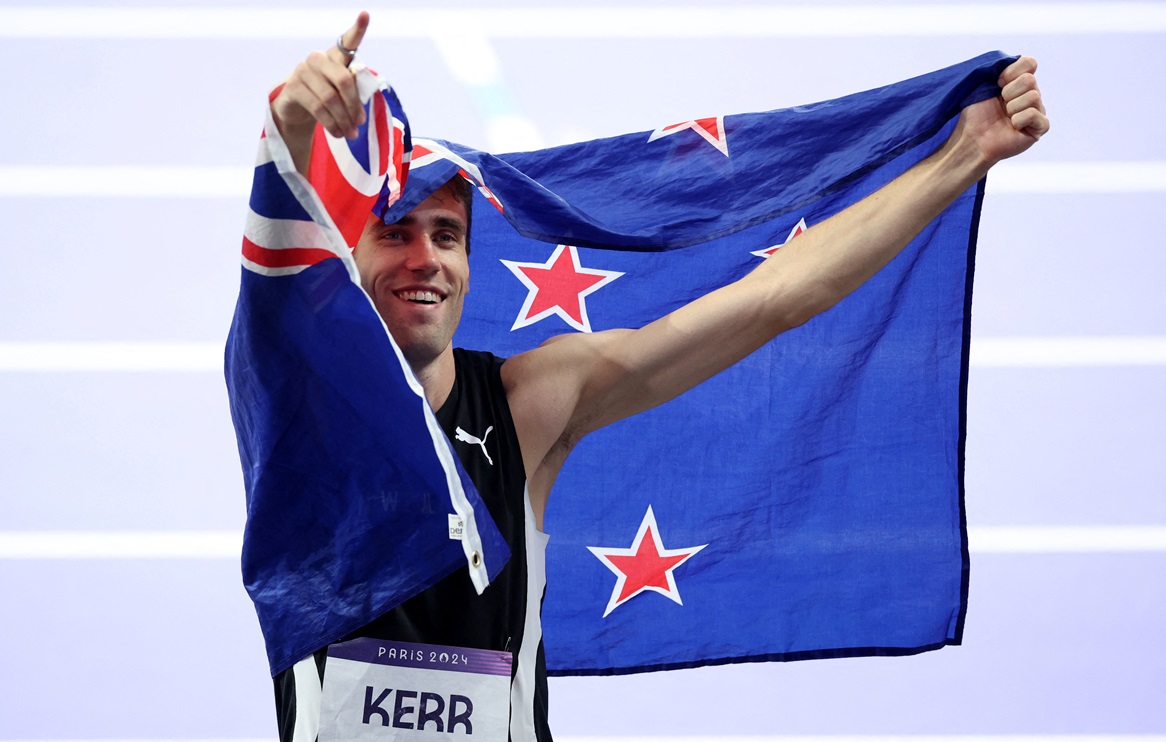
(1030, 99)
(1019, 87)
(325, 97)
(355, 35)
(351, 38)
(1032, 122)
(305, 97)
(1011, 72)
(336, 86)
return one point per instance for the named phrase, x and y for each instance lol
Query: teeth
(427, 297)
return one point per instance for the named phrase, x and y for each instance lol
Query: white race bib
(386, 690)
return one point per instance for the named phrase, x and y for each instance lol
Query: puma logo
(464, 437)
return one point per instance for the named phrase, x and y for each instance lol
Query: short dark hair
(464, 192)
(462, 189)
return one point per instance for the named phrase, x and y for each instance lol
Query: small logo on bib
(457, 527)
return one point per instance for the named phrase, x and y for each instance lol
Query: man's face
(417, 273)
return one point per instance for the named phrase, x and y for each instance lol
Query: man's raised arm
(575, 384)
(320, 89)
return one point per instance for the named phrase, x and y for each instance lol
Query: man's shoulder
(467, 358)
(478, 370)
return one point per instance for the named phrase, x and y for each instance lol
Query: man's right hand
(1004, 126)
(321, 90)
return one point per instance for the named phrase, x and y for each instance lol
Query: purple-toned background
(1064, 636)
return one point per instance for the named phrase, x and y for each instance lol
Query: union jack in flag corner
(353, 490)
(806, 503)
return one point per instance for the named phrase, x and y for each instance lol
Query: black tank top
(476, 417)
(451, 612)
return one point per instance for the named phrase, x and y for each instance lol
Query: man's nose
(422, 255)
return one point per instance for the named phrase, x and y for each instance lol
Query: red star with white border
(712, 130)
(798, 229)
(647, 565)
(558, 286)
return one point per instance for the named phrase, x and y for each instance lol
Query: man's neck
(436, 377)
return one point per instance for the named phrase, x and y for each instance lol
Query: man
(539, 404)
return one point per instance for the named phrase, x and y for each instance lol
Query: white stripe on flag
(681, 22)
(1001, 352)
(230, 182)
(284, 234)
(45, 545)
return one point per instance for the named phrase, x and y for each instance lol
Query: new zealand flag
(807, 502)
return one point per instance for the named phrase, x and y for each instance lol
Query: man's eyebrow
(449, 222)
(442, 222)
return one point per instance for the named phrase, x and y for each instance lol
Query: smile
(420, 297)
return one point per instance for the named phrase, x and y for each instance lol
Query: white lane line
(125, 182)
(1000, 352)
(772, 738)
(1078, 177)
(893, 738)
(121, 357)
(233, 182)
(1067, 352)
(120, 544)
(471, 59)
(678, 22)
(81, 545)
(1065, 539)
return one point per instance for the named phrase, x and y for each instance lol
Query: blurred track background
(130, 131)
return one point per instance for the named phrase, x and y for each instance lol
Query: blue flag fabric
(806, 503)
(352, 487)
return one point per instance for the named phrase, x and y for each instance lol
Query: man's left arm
(575, 384)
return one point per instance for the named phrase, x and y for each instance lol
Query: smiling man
(526, 413)
(417, 272)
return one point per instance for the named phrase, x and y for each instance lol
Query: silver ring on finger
(349, 53)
